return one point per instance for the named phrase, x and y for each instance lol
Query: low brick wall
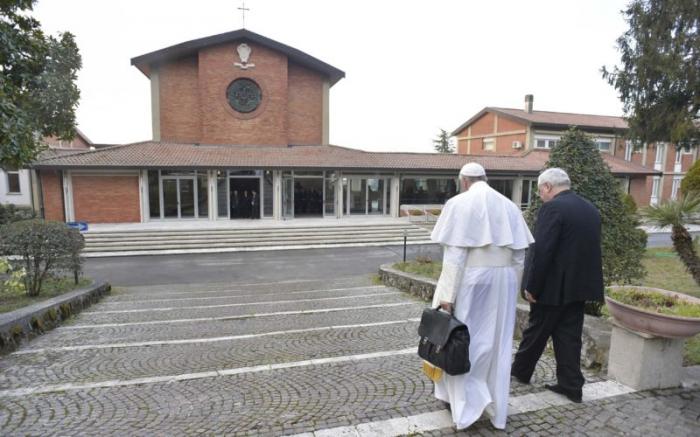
(596, 331)
(26, 323)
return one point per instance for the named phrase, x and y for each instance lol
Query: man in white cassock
(484, 237)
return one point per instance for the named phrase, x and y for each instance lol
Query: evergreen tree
(442, 142)
(658, 80)
(38, 95)
(623, 244)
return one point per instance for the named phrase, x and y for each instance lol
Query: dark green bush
(623, 244)
(41, 248)
(12, 213)
(691, 181)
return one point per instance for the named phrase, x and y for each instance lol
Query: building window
(490, 144)
(13, 185)
(687, 150)
(546, 142)
(528, 192)
(655, 189)
(603, 144)
(674, 188)
(660, 153)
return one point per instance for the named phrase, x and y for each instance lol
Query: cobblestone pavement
(270, 359)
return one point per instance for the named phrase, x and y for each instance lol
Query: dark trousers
(565, 325)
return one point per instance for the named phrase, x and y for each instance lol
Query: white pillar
(213, 195)
(517, 190)
(277, 195)
(144, 200)
(395, 192)
(68, 196)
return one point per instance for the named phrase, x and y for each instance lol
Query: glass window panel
(202, 195)
(358, 196)
(288, 197)
(244, 172)
(503, 186)
(318, 174)
(268, 192)
(153, 194)
(13, 185)
(329, 200)
(415, 191)
(186, 198)
(170, 198)
(541, 144)
(222, 193)
(388, 197)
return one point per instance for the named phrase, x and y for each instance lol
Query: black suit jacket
(565, 262)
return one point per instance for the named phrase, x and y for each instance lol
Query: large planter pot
(652, 323)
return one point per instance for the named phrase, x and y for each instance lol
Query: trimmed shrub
(41, 248)
(623, 243)
(11, 213)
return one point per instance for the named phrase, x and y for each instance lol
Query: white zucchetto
(472, 170)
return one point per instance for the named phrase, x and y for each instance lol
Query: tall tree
(659, 76)
(442, 142)
(623, 244)
(38, 94)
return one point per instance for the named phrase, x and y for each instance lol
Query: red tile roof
(151, 154)
(547, 118)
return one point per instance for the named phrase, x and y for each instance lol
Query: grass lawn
(664, 270)
(52, 287)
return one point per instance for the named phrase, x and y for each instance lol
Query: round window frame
(238, 112)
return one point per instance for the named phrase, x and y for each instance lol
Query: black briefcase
(444, 342)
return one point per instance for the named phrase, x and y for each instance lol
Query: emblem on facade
(244, 95)
(244, 51)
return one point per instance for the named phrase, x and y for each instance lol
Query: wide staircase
(177, 241)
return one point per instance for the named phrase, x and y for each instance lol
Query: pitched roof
(548, 118)
(152, 154)
(187, 48)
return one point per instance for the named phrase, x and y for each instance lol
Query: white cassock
(484, 237)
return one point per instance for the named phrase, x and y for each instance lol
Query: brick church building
(241, 131)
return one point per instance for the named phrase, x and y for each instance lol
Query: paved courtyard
(310, 357)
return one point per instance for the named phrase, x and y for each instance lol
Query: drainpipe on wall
(63, 195)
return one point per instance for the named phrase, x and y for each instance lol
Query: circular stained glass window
(244, 95)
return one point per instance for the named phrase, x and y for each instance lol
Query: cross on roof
(243, 9)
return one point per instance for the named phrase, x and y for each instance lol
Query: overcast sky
(412, 67)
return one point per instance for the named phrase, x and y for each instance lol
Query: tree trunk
(683, 244)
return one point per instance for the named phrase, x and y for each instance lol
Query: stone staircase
(179, 241)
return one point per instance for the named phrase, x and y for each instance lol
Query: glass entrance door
(366, 196)
(178, 198)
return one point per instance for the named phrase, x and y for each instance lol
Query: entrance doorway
(178, 197)
(245, 198)
(308, 197)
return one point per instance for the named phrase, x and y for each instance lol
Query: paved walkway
(316, 358)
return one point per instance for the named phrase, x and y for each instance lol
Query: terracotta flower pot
(653, 323)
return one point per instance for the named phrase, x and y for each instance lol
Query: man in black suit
(564, 272)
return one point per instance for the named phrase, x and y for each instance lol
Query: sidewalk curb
(31, 321)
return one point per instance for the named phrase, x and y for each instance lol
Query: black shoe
(448, 406)
(572, 396)
(520, 379)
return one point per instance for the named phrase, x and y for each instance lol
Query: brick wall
(52, 195)
(180, 119)
(640, 189)
(106, 199)
(305, 105)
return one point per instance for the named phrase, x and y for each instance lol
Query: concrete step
(271, 242)
(255, 234)
(271, 228)
(226, 240)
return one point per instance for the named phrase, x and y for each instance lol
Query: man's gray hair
(556, 177)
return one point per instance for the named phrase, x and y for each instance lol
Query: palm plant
(677, 213)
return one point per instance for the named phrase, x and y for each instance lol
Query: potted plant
(654, 311)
